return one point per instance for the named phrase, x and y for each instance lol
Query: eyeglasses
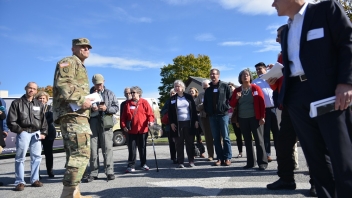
(128, 93)
(133, 92)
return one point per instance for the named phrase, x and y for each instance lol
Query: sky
(133, 39)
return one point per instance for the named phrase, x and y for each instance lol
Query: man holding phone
(102, 134)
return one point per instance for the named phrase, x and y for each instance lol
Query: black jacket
(2, 117)
(50, 120)
(27, 116)
(173, 113)
(223, 99)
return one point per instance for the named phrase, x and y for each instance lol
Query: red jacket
(258, 100)
(140, 119)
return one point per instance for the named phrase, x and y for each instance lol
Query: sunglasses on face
(127, 93)
(133, 92)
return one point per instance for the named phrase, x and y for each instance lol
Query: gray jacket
(111, 103)
(199, 105)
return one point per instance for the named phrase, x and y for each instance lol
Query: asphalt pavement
(203, 180)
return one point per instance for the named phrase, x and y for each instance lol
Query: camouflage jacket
(71, 85)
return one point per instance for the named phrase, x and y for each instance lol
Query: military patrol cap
(81, 41)
(98, 79)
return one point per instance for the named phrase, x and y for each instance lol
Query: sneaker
(37, 184)
(191, 164)
(181, 166)
(19, 187)
(130, 170)
(145, 167)
(210, 158)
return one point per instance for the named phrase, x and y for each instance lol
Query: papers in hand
(322, 107)
(95, 96)
(274, 72)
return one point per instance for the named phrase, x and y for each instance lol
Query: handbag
(129, 122)
(107, 121)
(165, 119)
(234, 117)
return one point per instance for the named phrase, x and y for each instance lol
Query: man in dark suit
(317, 55)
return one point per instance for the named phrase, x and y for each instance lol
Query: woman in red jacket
(136, 117)
(249, 109)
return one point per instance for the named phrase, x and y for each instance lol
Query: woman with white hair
(136, 117)
(184, 122)
(49, 139)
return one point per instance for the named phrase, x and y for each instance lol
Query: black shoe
(312, 191)
(247, 167)
(51, 174)
(111, 177)
(90, 179)
(281, 184)
(262, 167)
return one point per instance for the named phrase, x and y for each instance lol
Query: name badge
(35, 108)
(215, 90)
(173, 101)
(132, 107)
(255, 93)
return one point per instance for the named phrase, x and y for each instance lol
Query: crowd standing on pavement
(322, 45)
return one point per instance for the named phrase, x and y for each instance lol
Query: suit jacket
(326, 61)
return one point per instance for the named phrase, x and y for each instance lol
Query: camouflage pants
(76, 135)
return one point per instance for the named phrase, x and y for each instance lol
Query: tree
(183, 67)
(347, 6)
(48, 89)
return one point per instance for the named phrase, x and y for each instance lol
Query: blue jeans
(219, 125)
(26, 140)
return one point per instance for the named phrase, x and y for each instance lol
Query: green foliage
(48, 89)
(183, 67)
(346, 4)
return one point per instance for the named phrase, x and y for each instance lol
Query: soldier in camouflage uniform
(71, 85)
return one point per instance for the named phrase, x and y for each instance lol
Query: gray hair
(42, 93)
(205, 82)
(137, 89)
(172, 90)
(125, 89)
(29, 84)
(180, 82)
(217, 71)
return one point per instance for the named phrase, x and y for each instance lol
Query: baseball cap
(81, 41)
(98, 79)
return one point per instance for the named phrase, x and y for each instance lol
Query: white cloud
(223, 67)
(96, 60)
(267, 45)
(239, 43)
(252, 7)
(122, 15)
(180, 2)
(205, 37)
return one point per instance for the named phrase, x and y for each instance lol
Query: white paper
(274, 72)
(94, 96)
(322, 107)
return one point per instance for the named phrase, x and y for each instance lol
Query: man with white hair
(204, 121)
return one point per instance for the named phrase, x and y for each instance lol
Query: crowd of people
(320, 46)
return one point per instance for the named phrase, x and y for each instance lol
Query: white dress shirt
(267, 92)
(294, 40)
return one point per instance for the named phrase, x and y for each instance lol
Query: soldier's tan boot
(79, 194)
(72, 192)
